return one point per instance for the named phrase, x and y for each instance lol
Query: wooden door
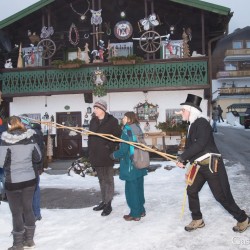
(69, 143)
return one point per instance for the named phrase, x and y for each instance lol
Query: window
(247, 44)
(237, 45)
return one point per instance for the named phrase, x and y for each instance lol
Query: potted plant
(172, 126)
(121, 60)
(76, 63)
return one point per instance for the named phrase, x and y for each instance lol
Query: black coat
(99, 148)
(200, 141)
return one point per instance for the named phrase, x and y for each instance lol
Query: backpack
(141, 157)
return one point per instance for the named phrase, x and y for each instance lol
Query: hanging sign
(123, 30)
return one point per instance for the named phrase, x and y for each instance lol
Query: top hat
(193, 101)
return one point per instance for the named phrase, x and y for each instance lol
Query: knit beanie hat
(101, 104)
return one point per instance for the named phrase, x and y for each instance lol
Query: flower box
(69, 66)
(123, 62)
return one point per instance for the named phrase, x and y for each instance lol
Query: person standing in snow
(134, 178)
(215, 116)
(99, 150)
(200, 141)
(220, 111)
(18, 153)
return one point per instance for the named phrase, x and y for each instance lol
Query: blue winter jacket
(127, 171)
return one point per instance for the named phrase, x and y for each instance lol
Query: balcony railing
(233, 73)
(232, 52)
(234, 91)
(167, 74)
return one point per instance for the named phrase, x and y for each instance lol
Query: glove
(112, 156)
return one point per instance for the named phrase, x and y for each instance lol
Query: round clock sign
(123, 30)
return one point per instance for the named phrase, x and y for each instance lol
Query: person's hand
(180, 164)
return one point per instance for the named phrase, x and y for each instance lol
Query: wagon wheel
(47, 48)
(150, 41)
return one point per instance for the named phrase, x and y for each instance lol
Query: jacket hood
(136, 129)
(16, 136)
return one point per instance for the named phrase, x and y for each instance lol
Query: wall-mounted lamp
(89, 110)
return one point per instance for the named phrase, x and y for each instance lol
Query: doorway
(69, 143)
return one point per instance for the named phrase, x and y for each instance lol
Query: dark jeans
(106, 180)
(222, 194)
(20, 203)
(36, 200)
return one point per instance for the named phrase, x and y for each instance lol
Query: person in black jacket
(200, 141)
(99, 153)
(18, 153)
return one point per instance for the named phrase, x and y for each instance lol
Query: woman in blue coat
(133, 177)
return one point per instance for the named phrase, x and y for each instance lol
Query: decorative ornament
(96, 18)
(99, 79)
(149, 22)
(46, 32)
(8, 64)
(86, 53)
(147, 127)
(108, 29)
(73, 30)
(122, 14)
(123, 30)
(20, 59)
(96, 33)
(67, 107)
(82, 15)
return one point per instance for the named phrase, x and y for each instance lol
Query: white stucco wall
(116, 102)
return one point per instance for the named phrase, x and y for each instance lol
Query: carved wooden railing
(154, 75)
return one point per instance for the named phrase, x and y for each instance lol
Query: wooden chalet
(174, 38)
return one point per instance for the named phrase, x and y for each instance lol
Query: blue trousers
(134, 192)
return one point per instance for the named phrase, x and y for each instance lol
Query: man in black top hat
(200, 141)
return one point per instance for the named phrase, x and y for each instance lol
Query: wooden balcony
(233, 52)
(171, 74)
(233, 73)
(234, 91)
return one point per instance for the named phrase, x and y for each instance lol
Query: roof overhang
(205, 6)
(19, 15)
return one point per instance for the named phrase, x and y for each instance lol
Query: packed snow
(161, 229)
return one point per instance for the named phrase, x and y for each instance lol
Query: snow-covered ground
(161, 229)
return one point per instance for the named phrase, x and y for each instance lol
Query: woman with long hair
(18, 153)
(133, 177)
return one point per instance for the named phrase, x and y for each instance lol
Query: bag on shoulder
(141, 157)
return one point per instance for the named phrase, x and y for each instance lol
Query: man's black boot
(99, 207)
(107, 209)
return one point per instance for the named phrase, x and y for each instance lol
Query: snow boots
(194, 224)
(28, 237)
(107, 209)
(17, 241)
(242, 226)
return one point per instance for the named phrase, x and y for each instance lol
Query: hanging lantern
(89, 110)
